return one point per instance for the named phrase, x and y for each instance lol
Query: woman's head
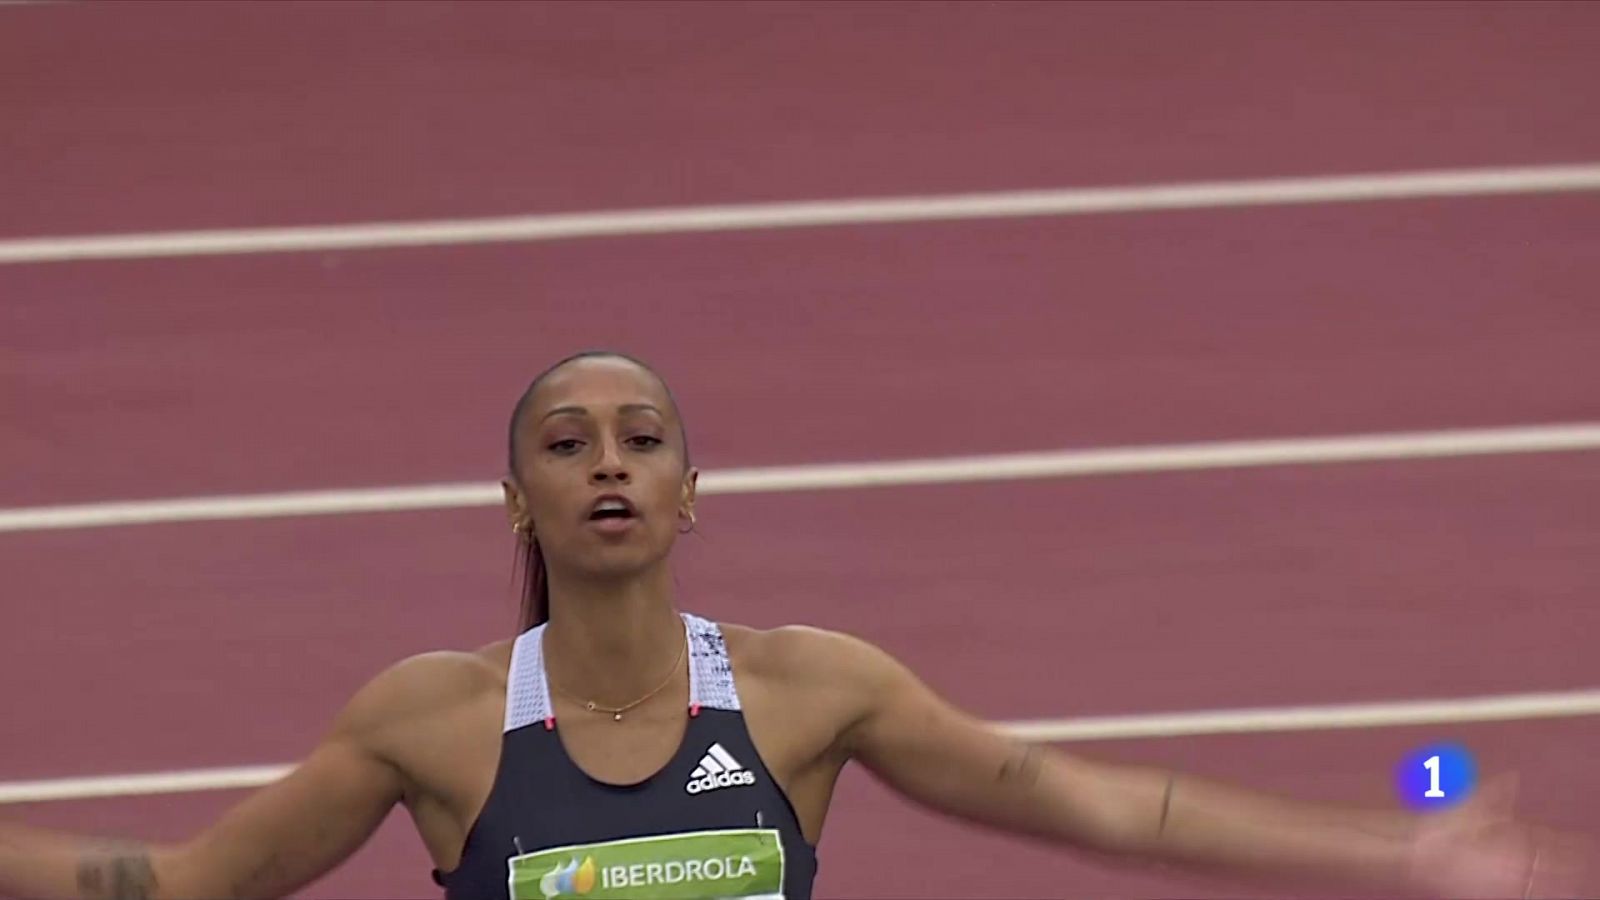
(598, 480)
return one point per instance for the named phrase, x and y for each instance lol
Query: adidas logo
(718, 769)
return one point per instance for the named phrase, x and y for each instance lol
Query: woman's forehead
(600, 383)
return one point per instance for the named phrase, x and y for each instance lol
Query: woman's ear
(516, 506)
(691, 480)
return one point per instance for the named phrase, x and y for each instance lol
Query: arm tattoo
(250, 885)
(119, 873)
(1022, 767)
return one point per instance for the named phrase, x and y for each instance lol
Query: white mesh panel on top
(710, 672)
(527, 694)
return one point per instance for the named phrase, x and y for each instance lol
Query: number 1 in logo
(1436, 776)
(1432, 765)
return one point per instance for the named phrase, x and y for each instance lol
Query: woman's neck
(612, 642)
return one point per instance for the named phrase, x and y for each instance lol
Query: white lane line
(837, 476)
(1388, 714)
(813, 213)
(182, 782)
(1500, 708)
(250, 506)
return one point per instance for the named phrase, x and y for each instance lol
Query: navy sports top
(711, 823)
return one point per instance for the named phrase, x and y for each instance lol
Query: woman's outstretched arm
(957, 764)
(278, 839)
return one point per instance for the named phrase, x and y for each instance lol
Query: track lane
(162, 116)
(1217, 589)
(176, 378)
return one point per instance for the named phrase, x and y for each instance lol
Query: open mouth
(612, 508)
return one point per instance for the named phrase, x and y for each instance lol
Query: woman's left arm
(950, 761)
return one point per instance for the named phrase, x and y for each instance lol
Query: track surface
(1040, 599)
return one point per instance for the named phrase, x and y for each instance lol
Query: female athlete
(620, 748)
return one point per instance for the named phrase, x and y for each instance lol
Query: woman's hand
(1478, 850)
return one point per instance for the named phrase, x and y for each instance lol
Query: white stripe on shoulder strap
(527, 693)
(710, 672)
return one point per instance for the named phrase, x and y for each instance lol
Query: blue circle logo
(1437, 776)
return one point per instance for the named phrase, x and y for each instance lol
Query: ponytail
(535, 586)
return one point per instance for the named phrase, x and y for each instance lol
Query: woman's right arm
(277, 840)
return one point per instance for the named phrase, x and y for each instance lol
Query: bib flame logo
(572, 878)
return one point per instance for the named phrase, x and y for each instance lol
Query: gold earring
(691, 524)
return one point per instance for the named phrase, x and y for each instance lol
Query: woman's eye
(644, 441)
(565, 446)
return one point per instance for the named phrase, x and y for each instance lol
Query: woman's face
(601, 473)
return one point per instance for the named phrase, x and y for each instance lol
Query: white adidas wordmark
(718, 769)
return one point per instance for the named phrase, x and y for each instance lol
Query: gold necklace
(616, 711)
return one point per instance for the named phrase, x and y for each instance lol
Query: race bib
(737, 863)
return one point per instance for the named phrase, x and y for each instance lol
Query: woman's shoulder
(417, 688)
(821, 683)
(440, 673)
(805, 654)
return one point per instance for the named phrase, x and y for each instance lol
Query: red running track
(152, 116)
(1044, 599)
(789, 347)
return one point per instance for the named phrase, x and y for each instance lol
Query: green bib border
(531, 869)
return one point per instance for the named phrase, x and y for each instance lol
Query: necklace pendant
(589, 706)
(616, 717)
